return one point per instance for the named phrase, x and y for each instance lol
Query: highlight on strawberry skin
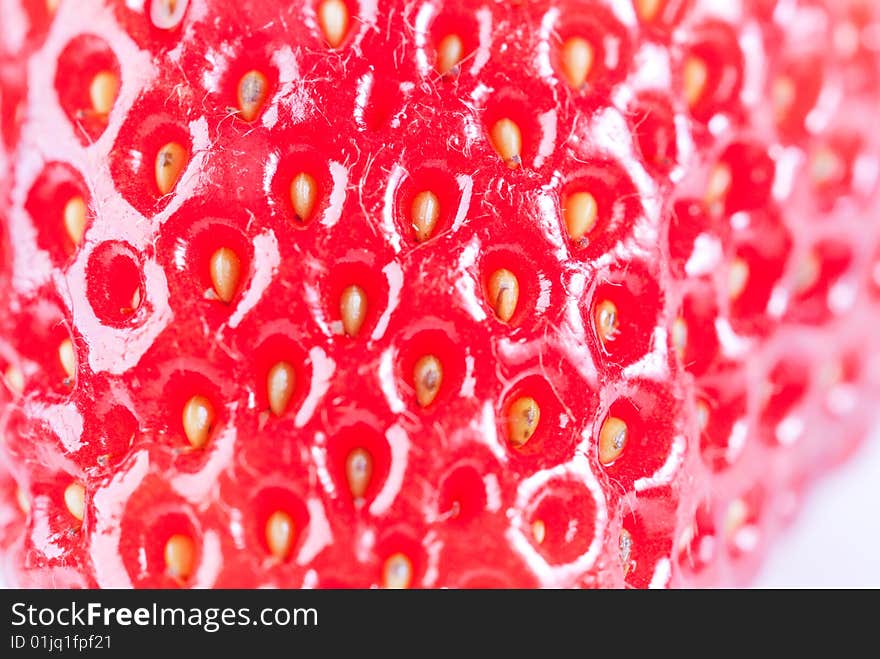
(430, 293)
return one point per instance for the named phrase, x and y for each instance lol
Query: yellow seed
(252, 90)
(225, 273)
(280, 531)
(607, 321)
(427, 376)
(522, 420)
(539, 530)
(134, 303)
(425, 213)
(279, 384)
(696, 75)
(21, 498)
(167, 14)
(52, 6)
(450, 50)
(612, 439)
(353, 309)
(580, 213)
(75, 218)
(333, 17)
(625, 549)
(507, 140)
(784, 93)
(303, 194)
(719, 184)
(648, 9)
(735, 518)
(75, 500)
(398, 572)
(702, 415)
(198, 420)
(67, 357)
(826, 166)
(358, 472)
(577, 60)
(679, 336)
(14, 379)
(180, 556)
(737, 278)
(170, 162)
(807, 273)
(503, 293)
(103, 91)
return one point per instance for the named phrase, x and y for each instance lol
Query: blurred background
(834, 541)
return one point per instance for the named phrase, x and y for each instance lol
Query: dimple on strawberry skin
(346, 293)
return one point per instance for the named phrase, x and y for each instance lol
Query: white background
(835, 540)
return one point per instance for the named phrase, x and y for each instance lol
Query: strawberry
(339, 293)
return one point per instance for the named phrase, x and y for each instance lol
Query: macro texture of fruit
(466, 293)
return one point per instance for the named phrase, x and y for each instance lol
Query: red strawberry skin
(663, 440)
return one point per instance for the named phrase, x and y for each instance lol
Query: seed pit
(42, 328)
(785, 388)
(454, 37)
(593, 50)
(690, 219)
(646, 538)
(114, 283)
(562, 520)
(696, 340)
(816, 274)
(279, 521)
(720, 413)
(152, 515)
(301, 186)
(280, 349)
(653, 125)
(462, 493)
(795, 91)
(513, 130)
(597, 203)
(192, 412)
(356, 297)
(623, 314)
(510, 287)
(58, 206)
(634, 436)
(360, 461)
(751, 175)
(402, 559)
(713, 71)
(87, 82)
(249, 83)
(439, 342)
(150, 155)
(530, 421)
(758, 264)
(384, 103)
(208, 260)
(427, 201)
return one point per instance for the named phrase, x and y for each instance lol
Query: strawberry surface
(331, 293)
